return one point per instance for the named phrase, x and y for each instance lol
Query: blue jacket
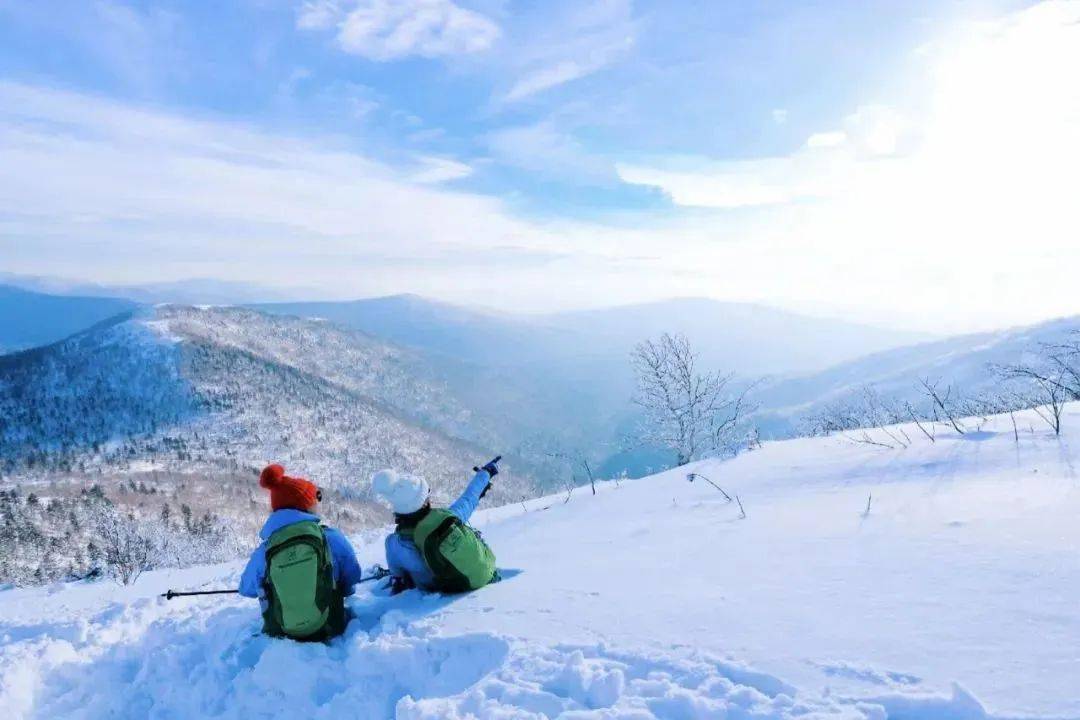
(342, 556)
(403, 558)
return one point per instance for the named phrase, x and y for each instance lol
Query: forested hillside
(190, 403)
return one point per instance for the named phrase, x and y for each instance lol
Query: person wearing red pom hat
(302, 571)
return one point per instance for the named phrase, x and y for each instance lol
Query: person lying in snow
(433, 548)
(303, 570)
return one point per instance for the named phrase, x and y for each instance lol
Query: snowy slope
(961, 361)
(652, 599)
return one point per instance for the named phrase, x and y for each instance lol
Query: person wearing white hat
(409, 497)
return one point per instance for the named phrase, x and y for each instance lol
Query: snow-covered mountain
(567, 376)
(28, 319)
(441, 328)
(963, 361)
(938, 582)
(744, 338)
(193, 291)
(182, 389)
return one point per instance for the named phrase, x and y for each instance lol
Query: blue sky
(544, 102)
(586, 153)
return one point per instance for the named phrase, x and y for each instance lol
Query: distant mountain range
(569, 373)
(340, 387)
(964, 361)
(745, 338)
(29, 319)
(194, 291)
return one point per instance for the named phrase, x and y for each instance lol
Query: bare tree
(687, 411)
(943, 404)
(1064, 356)
(1006, 398)
(1048, 379)
(575, 458)
(928, 429)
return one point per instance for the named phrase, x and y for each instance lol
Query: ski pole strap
(175, 593)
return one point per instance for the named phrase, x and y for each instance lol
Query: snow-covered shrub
(127, 544)
(73, 536)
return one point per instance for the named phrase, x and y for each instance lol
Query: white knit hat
(405, 493)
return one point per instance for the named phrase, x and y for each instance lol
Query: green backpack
(302, 602)
(455, 553)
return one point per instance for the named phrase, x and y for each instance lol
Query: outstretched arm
(465, 505)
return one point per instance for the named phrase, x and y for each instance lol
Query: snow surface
(956, 597)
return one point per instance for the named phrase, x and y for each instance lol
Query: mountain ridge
(186, 389)
(31, 319)
(964, 361)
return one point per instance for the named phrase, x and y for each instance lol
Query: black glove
(399, 585)
(491, 468)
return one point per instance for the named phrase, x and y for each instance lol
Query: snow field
(955, 598)
(144, 660)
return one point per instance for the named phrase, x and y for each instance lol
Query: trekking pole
(174, 593)
(378, 574)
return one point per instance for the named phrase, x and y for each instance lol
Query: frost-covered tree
(691, 412)
(1050, 376)
(127, 546)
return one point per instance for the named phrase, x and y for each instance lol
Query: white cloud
(833, 138)
(387, 30)
(963, 215)
(547, 77)
(81, 165)
(108, 191)
(360, 100)
(136, 46)
(434, 170)
(735, 185)
(318, 14)
(549, 151)
(576, 43)
(828, 165)
(879, 131)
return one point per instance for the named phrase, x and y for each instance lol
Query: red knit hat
(288, 492)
